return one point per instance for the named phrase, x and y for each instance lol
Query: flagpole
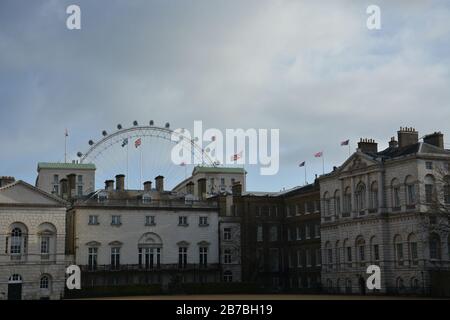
(306, 182)
(65, 146)
(140, 150)
(349, 148)
(127, 177)
(323, 164)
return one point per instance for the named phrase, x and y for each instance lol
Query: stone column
(380, 192)
(352, 191)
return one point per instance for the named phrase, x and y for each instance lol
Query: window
(222, 181)
(447, 190)
(149, 257)
(337, 203)
(410, 194)
(326, 204)
(308, 257)
(227, 234)
(55, 189)
(360, 197)
(115, 220)
(274, 260)
(203, 256)
(203, 221)
(274, 233)
(317, 230)
(228, 276)
(182, 257)
(233, 180)
(318, 257)
(307, 232)
(298, 233)
(396, 197)
(115, 257)
(102, 196)
(150, 220)
(349, 254)
(92, 258)
(258, 211)
(429, 165)
(44, 282)
(146, 198)
(347, 202)
(435, 247)
(16, 241)
(45, 245)
(299, 258)
(376, 252)
(182, 221)
(330, 255)
(259, 233)
(55, 179)
(227, 256)
(398, 246)
(93, 220)
(413, 252)
(79, 190)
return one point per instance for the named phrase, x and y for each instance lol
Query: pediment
(357, 161)
(22, 193)
(93, 244)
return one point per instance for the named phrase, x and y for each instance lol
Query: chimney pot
(109, 185)
(368, 145)
(159, 182)
(435, 139)
(407, 136)
(120, 182)
(4, 181)
(147, 186)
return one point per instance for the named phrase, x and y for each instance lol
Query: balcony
(155, 268)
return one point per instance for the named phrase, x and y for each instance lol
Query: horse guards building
(388, 208)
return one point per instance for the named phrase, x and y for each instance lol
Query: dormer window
(102, 196)
(146, 198)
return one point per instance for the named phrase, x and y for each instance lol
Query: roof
(201, 169)
(52, 197)
(72, 166)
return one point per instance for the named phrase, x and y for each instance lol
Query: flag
(124, 142)
(302, 164)
(345, 143)
(137, 143)
(236, 156)
(66, 133)
(318, 154)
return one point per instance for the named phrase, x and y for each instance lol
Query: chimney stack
(190, 187)
(71, 178)
(393, 143)
(4, 181)
(64, 187)
(201, 187)
(236, 189)
(159, 182)
(147, 186)
(435, 139)
(368, 145)
(120, 182)
(407, 136)
(109, 185)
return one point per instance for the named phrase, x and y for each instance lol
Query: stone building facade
(377, 210)
(32, 243)
(149, 236)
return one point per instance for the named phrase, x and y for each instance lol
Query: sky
(311, 69)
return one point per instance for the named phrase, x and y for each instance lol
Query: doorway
(15, 287)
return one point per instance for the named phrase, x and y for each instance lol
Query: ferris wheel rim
(153, 128)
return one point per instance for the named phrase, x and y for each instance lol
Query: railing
(161, 267)
(152, 204)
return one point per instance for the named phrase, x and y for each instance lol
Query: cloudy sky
(309, 68)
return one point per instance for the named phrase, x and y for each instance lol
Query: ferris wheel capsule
(167, 125)
(104, 133)
(151, 122)
(135, 123)
(119, 127)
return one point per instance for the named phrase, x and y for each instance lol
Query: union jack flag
(138, 142)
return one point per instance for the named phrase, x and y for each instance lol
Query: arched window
(329, 284)
(47, 240)
(18, 241)
(395, 187)
(410, 191)
(398, 250)
(150, 250)
(228, 276)
(361, 249)
(337, 202)
(435, 247)
(374, 195)
(429, 188)
(338, 285)
(44, 282)
(348, 286)
(414, 283)
(347, 201)
(360, 197)
(338, 254)
(374, 249)
(413, 250)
